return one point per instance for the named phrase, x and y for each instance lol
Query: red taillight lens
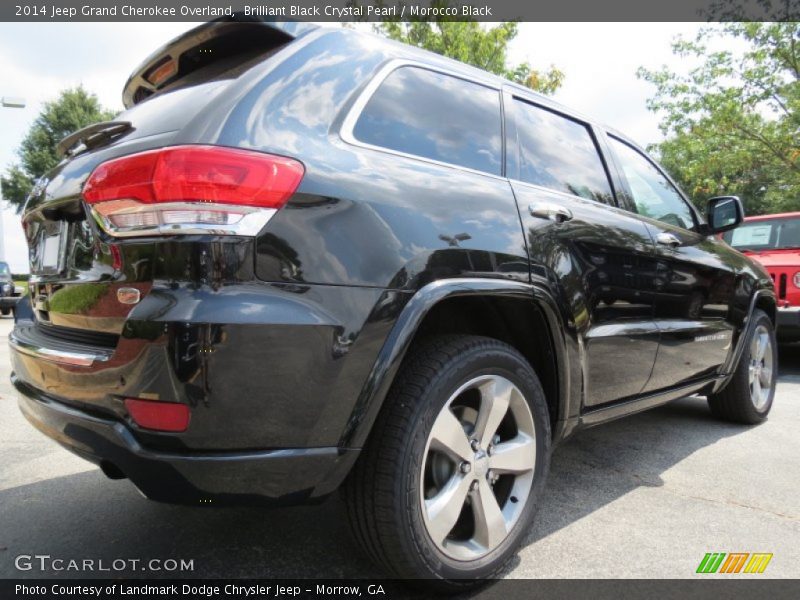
(159, 416)
(208, 187)
(116, 257)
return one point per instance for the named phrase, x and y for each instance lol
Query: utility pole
(7, 102)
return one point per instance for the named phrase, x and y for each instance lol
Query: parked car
(774, 241)
(306, 259)
(8, 292)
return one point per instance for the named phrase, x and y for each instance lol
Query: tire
(748, 397)
(404, 466)
(5, 311)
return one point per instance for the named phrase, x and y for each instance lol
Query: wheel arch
(767, 303)
(508, 311)
(762, 299)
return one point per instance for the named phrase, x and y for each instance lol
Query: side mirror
(724, 213)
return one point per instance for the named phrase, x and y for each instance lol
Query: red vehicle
(774, 240)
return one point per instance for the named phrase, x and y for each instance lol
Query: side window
(559, 153)
(653, 195)
(428, 114)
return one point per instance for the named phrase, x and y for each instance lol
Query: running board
(603, 414)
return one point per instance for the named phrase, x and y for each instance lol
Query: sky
(599, 61)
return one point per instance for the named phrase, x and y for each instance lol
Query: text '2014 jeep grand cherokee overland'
(312, 258)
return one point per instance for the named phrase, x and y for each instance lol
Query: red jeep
(774, 240)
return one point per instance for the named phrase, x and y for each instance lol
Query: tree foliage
(732, 124)
(474, 44)
(73, 109)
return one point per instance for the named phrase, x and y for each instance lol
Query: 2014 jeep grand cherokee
(305, 259)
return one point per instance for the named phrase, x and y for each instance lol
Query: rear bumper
(261, 366)
(283, 476)
(788, 324)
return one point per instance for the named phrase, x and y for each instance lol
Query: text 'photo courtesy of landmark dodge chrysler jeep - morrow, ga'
(311, 259)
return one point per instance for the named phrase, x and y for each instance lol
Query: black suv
(305, 259)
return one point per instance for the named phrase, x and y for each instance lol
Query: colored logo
(734, 562)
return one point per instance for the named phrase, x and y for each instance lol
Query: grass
(76, 299)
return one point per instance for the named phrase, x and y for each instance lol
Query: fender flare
(395, 347)
(747, 325)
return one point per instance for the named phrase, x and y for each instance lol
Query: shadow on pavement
(88, 516)
(599, 465)
(789, 360)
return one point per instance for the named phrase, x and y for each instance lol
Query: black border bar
(404, 10)
(730, 588)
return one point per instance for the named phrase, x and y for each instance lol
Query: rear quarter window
(436, 116)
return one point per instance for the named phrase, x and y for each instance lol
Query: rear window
(559, 153)
(212, 51)
(766, 234)
(423, 113)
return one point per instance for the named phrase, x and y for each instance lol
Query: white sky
(599, 61)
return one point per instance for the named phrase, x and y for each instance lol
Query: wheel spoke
(495, 398)
(757, 391)
(766, 377)
(514, 456)
(448, 436)
(445, 507)
(762, 346)
(490, 525)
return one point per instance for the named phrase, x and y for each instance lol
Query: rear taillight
(159, 416)
(190, 189)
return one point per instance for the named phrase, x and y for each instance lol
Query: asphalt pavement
(642, 497)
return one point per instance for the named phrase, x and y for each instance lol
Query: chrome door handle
(668, 239)
(553, 212)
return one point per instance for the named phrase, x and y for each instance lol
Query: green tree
(732, 124)
(472, 43)
(73, 109)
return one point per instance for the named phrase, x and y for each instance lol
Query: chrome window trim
(350, 120)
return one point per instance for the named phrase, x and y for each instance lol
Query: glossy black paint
(277, 477)
(285, 345)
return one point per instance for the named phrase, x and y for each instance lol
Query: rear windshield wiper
(92, 136)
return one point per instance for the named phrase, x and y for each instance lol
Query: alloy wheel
(478, 467)
(760, 367)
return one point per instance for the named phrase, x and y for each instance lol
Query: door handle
(668, 239)
(553, 212)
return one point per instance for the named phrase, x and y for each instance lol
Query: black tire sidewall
(499, 360)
